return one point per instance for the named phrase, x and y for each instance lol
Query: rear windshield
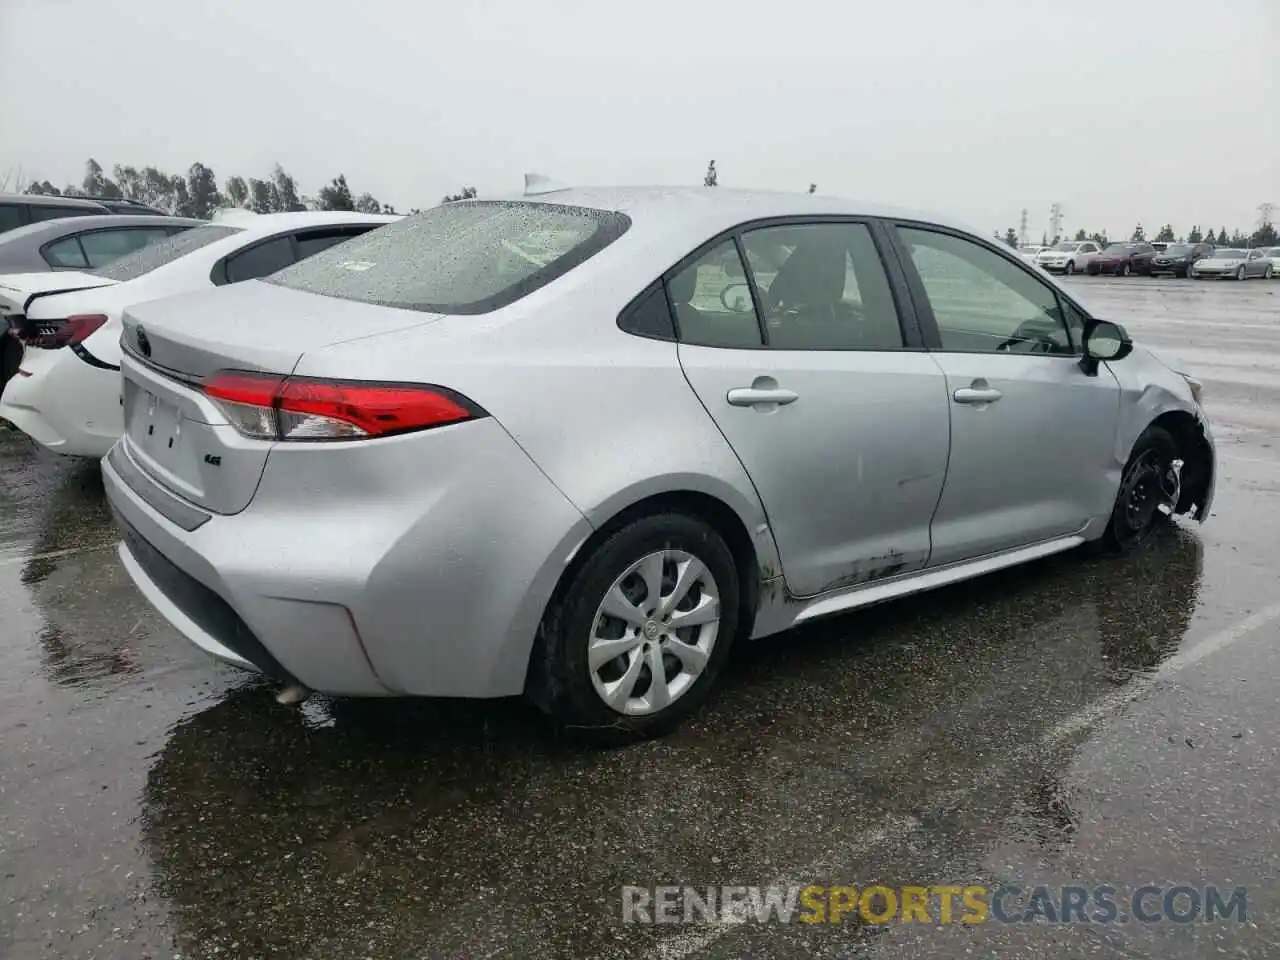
(459, 258)
(164, 251)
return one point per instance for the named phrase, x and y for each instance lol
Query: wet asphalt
(1081, 721)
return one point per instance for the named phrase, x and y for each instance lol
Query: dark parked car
(125, 205)
(21, 209)
(83, 243)
(1123, 259)
(1176, 259)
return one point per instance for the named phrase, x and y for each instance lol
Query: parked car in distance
(66, 392)
(1234, 263)
(1273, 254)
(1159, 246)
(20, 209)
(1177, 259)
(83, 243)
(1068, 256)
(125, 205)
(1122, 259)
(1028, 252)
(412, 465)
(74, 243)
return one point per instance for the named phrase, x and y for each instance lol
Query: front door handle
(977, 395)
(751, 396)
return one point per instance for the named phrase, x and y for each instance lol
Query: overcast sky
(1149, 110)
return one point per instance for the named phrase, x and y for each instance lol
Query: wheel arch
(710, 509)
(1198, 460)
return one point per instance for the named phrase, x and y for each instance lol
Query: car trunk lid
(175, 432)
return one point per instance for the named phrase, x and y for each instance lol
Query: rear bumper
(418, 565)
(63, 403)
(196, 582)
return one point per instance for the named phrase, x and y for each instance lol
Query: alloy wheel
(1240, 273)
(653, 633)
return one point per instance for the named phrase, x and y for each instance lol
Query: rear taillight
(299, 408)
(52, 334)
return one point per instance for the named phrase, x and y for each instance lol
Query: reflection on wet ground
(1046, 724)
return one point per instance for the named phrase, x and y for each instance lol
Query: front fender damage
(1171, 490)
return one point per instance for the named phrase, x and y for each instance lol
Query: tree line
(1264, 236)
(197, 194)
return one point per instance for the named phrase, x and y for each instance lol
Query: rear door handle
(750, 396)
(977, 395)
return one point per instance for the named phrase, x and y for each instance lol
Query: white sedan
(1067, 257)
(66, 392)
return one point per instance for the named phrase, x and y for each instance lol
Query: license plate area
(155, 426)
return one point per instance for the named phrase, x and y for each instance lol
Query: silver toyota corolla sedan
(577, 443)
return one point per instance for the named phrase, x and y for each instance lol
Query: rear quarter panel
(608, 417)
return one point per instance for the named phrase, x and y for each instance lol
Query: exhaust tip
(292, 695)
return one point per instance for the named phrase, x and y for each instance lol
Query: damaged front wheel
(1149, 491)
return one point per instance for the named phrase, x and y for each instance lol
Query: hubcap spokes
(653, 632)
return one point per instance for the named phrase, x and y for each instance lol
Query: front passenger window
(982, 302)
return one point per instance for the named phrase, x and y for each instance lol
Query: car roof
(47, 230)
(263, 224)
(40, 200)
(712, 210)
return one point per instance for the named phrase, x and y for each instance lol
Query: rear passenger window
(650, 316)
(103, 246)
(311, 244)
(260, 261)
(712, 301)
(823, 286)
(43, 212)
(10, 217)
(66, 254)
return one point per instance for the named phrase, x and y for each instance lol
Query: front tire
(1071, 268)
(1240, 273)
(1124, 270)
(1144, 486)
(1266, 274)
(610, 665)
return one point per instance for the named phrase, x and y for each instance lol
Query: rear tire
(1135, 515)
(570, 684)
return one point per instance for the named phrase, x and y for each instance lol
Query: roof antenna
(536, 184)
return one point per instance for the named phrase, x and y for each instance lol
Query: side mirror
(1104, 340)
